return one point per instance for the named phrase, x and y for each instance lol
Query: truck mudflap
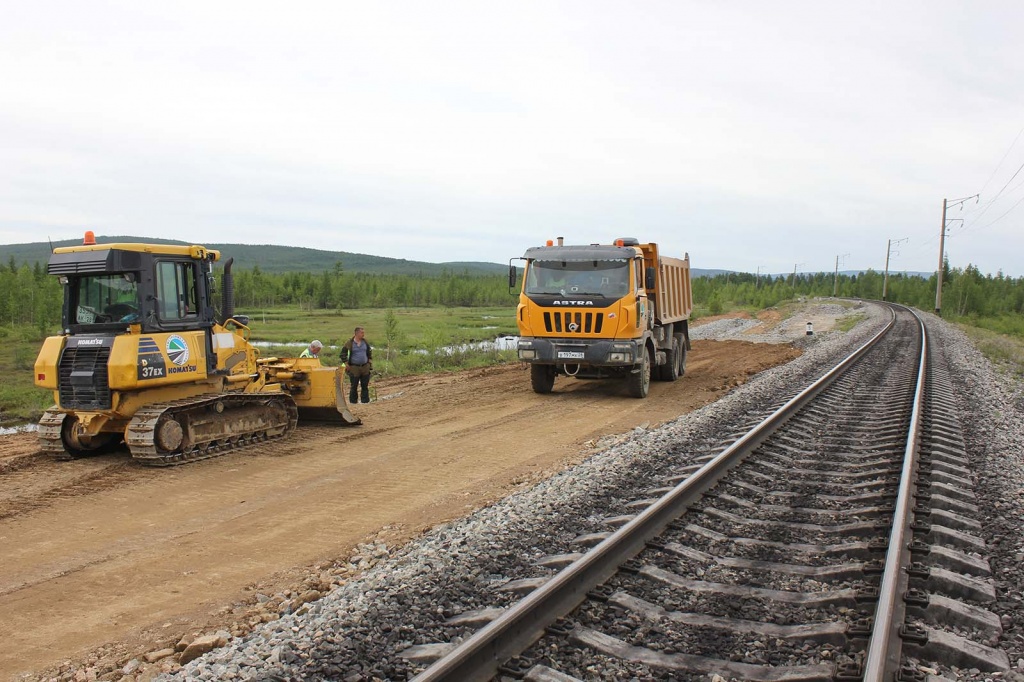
(595, 353)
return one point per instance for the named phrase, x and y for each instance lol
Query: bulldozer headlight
(527, 354)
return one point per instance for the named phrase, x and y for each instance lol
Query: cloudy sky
(753, 135)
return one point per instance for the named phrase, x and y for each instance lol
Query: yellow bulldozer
(144, 356)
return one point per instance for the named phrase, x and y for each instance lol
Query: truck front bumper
(597, 353)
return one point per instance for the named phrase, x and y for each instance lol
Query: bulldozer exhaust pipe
(228, 297)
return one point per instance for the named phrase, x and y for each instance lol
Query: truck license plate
(570, 355)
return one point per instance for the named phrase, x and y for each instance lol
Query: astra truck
(603, 311)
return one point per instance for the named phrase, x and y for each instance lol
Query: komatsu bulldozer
(144, 356)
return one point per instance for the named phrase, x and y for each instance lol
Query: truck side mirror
(650, 278)
(512, 275)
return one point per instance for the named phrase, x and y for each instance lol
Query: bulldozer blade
(331, 415)
(316, 399)
(347, 417)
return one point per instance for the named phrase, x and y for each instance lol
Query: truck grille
(82, 379)
(573, 323)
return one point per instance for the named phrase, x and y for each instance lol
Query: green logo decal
(177, 350)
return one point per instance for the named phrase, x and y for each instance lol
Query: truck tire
(681, 357)
(640, 381)
(542, 378)
(670, 370)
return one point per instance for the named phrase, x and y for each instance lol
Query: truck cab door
(643, 308)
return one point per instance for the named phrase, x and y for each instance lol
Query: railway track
(835, 540)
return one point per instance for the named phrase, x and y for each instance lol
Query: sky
(755, 136)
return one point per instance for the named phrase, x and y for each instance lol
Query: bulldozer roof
(193, 251)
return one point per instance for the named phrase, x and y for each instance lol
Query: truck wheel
(640, 381)
(542, 377)
(681, 355)
(670, 370)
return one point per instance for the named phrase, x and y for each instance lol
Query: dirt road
(103, 551)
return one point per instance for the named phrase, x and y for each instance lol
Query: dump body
(144, 357)
(618, 311)
(672, 294)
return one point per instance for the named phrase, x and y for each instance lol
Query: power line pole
(793, 281)
(835, 277)
(885, 278)
(888, 250)
(942, 244)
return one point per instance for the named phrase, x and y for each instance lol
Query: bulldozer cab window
(100, 299)
(175, 290)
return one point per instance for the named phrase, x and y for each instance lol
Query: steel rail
(884, 651)
(479, 657)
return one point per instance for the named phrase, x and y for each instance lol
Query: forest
(30, 297)
(992, 302)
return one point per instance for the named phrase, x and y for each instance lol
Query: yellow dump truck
(616, 311)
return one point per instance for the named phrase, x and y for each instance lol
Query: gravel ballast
(357, 631)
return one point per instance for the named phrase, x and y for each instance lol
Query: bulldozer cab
(107, 287)
(115, 289)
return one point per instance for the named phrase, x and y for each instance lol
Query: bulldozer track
(49, 435)
(140, 436)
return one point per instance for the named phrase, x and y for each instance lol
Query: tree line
(996, 302)
(28, 296)
(337, 289)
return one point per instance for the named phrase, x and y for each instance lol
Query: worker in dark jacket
(357, 356)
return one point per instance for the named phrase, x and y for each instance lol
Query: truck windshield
(607, 278)
(100, 299)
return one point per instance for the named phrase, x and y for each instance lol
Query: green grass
(284, 325)
(848, 322)
(1005, 351)
(20, 400)
(1010, 325)
(424, 339)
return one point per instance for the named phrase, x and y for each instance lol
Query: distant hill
(704, 272)
(272, 258)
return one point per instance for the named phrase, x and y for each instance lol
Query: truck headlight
(527, 354)
(620, 357)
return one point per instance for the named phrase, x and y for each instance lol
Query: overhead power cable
(993, 200)
(1019, 202)
(1000, 164)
